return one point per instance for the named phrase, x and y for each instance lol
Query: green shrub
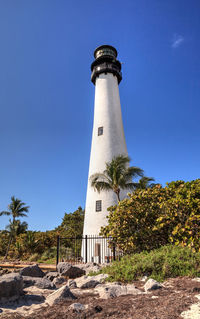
(34, 257)
(159, 264)
(155, 217)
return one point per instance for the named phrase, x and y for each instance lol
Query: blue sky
(46, 97)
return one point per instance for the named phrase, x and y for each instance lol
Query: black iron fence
(86, 249)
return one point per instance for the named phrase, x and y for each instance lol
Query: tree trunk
(117, 193)
(9, 243)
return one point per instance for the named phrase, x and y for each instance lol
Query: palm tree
(16, 209)
(17, 227)
(117, 175)
(144, 183)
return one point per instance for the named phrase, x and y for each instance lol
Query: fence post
(58, 250)
(114, 256)
(86, 248)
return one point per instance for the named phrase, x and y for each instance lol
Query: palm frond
(129, 186)
(133, 172)
(23, 209)
(100, 186)
(21, 215)
(117, 175)
(144, 182)
(101, 176)
(5, 213)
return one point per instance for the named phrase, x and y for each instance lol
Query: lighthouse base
(98, 249)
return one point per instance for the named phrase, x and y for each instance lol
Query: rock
(58, 280)
(72, 283)
(11, 287)
(152, 284)
(51, 275)
(90, 267)
(113, 290)
(62, 293)
(144, 278)
(32, 271)
(78, 307)
(70, 271)
(100, 277)
(87, 282)
(90, 284)
(41, 283)
(30, 299)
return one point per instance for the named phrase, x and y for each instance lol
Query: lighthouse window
(100, 130)
(98, 206)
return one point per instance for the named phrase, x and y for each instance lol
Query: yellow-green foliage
(37, 245)
(27, 244)
(157, 216)
(159, 264)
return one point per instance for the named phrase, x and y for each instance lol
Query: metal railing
(85, 249)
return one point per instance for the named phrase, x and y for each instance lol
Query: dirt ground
(166, 303)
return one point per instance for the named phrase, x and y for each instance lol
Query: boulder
(41, 283)
(113, 290)
(51, 275)
(30, 299)
(100, 277)
(90, 284)
(144, 278)
(152, 284)
(78, 307)
(65, 269)
(87, 282)
(62, 293)
(11, 287)
(90, 267)
(72, 283)
(32, 271)
(59, 280)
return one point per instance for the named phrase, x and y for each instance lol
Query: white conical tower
(108, 134)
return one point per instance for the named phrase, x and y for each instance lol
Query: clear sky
(46, 97)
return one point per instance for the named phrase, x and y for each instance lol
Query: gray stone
(90, 284)
(51, 275)
(11, 287)
(90, 267)
(62, 293)
(32, 271)
(113, 290)
(58, 280)
(70, 271)
(41, 283)
(78, 307)
(86, 282)
(34, 299)
(144, 278)
(72, 283)
(101, 277)
(152, 284)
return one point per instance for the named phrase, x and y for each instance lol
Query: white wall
(107, 113)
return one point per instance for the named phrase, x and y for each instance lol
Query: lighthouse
(108, 138)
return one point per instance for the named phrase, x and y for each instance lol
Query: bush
(159, 264)
(34, 257)
(157, 216)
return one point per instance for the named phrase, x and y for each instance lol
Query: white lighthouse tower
(108, 138)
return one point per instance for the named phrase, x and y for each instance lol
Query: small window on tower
(100, 130)
(98, 206)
